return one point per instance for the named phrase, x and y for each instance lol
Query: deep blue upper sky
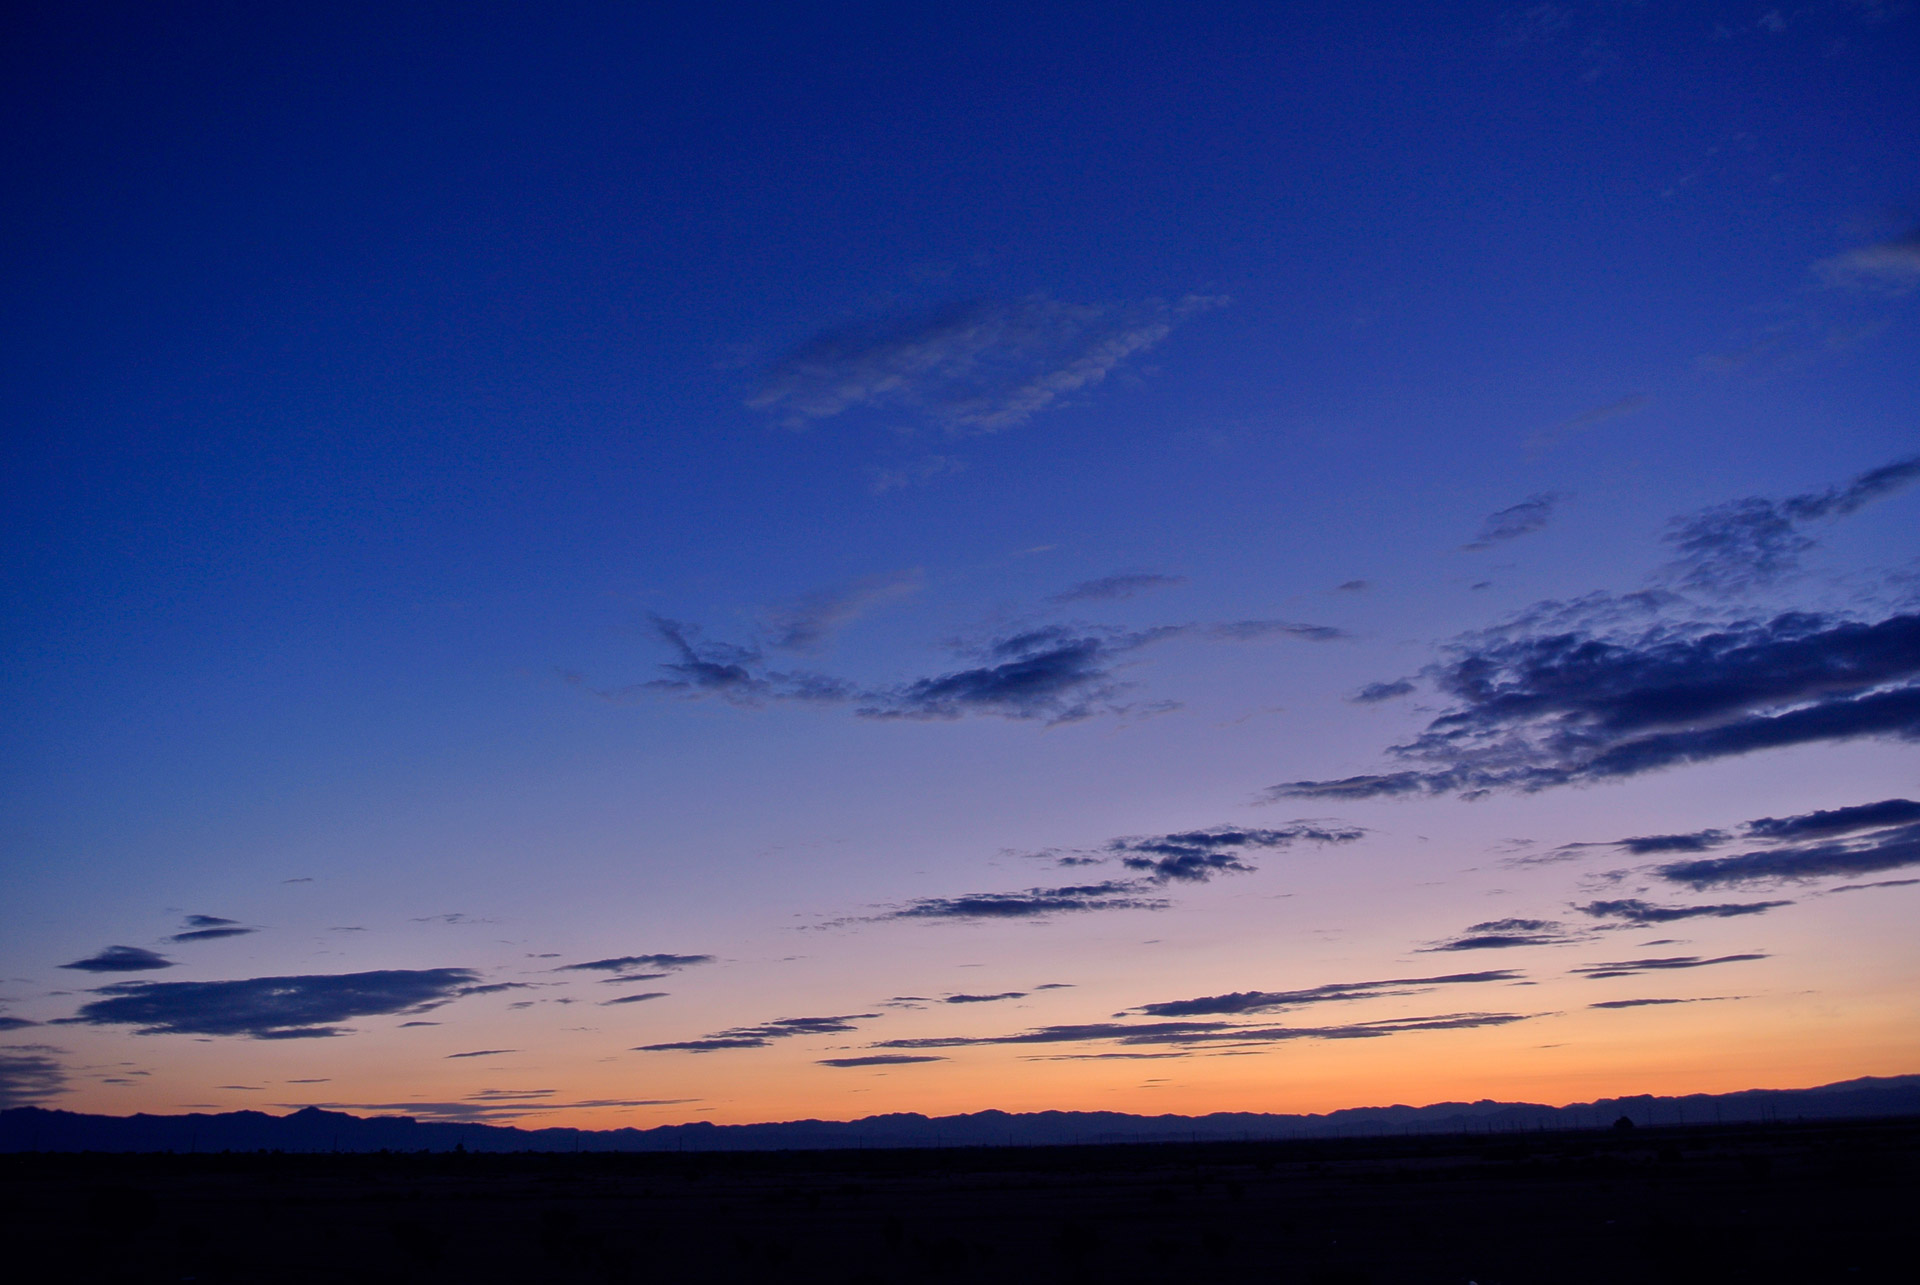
(456, 451)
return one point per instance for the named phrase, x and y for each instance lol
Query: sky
(610, 565)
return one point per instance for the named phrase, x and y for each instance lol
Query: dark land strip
(1800, 1202)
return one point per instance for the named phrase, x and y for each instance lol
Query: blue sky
(494, 491)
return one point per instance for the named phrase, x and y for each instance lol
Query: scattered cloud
(969, 367)
(1535, 709)
(30, 1074)
(1646, 1003)
(1209, 1033)
(984, 999)
(1634, 967)
(481, 1053)
(1634, 911)
(1053, 674)
(210, 928)
(1500, 934)
(270, 1008)
(1524, 518)
(758, 1037)
(640, 998)
(1374, 693)
(8, 1022)
(1243, 1002)
(1195, 856)
(1116, 588)
(881, 1059)
(1353, 586)
(1050, 673)
(1187, 856)
(120, 959)
(1750, 544)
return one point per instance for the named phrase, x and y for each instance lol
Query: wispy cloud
(1885, 267)
(1524, 518)
(1587, 419)
(808, 622)
(880, 1059)
(271, 1008)
(972, 367)
(1117, 588)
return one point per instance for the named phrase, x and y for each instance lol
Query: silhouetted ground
(1800, 1203)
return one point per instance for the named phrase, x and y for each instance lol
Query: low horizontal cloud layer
(30, 1075)
(1209, 1033)
(971, 367)
(1634, 911)
(880, 1059)
(1533, 710)
(759, 1037)
(1242, 1002)
(1634, 967)
(1890, 849)
(271, 1008)
(1033, 903)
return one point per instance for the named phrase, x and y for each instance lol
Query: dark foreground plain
(1831, 1201)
